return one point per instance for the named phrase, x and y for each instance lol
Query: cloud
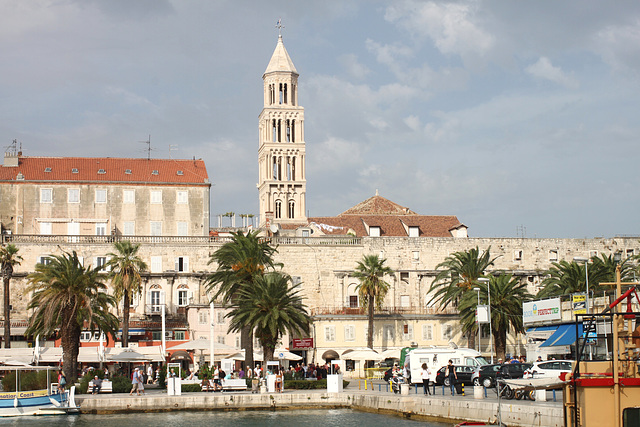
(619, 46)
(353, 67)
(543, 69)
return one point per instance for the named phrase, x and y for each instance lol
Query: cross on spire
(279, 26)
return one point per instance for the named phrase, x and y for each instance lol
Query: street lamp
(486, 280)
(478, 316)
(586, 276)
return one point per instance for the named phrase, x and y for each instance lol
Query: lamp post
(478, 316)
(486, 280)
(586, 276)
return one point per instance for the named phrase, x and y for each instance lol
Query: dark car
(487, 375)
(463, 372)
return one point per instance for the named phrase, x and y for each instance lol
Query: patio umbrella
(129, 355)
(391, 353)
(203, 344)
(364, 354)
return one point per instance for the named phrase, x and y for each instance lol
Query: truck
(437, 357)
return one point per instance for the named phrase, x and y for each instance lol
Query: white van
(437, 357)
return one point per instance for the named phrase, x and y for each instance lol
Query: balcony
(155, 309)
(359, 311)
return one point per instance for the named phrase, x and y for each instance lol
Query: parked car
(463, 372)
(549, 369)
(487, 374)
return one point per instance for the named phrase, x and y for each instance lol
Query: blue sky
(518, 117)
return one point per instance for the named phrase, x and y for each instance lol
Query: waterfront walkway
(445, 408)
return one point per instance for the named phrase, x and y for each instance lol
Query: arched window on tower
(279, 130)
(293, 131)
(292, 208)
(276, 173)
(278, 209)
(274, 130)
(281, 94)
(289, 170)
(288, 132)
(293, 94)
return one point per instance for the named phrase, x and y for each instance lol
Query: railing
(155, 309)
(198, 240)
(334, 310)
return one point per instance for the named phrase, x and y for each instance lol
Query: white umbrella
(391, 353)
(364, 354)
(203, 344)
(278, 353)
(129, 355)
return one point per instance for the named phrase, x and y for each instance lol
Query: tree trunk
(70, 338)
(370, 326)
(501, 343)
(471, 338)
(125, 320)
(7, 312)
(246, 342)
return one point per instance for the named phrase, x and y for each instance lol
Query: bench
(107, 387)
(234, 384)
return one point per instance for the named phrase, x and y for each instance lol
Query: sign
(579, 303)
(301, 343)
(541, 311)
(483, 314)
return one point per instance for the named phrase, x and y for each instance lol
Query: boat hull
(34, 402)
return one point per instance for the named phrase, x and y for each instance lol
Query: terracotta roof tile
(108, 169)
(378, 205)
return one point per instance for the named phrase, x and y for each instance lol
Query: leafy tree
(603, 269)
(8, 259)
(239, 263)
(565, 278)
(69, 297)
(507, 295)
(271, 307)
(458, 276)
(372, 288)
(125, 267)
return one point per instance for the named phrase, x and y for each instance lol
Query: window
(415, 255)
(553, 255)
(183, 296)
(155, 298)
(374, 231)
(156, 228)
(405, 301)
(278, 209)
(404, 276)
(630, 253)
(182, 264)
(203, 317)
(101, 229)
(154, 172)
(180, 172)
(178, 335)
(74, 170)
(182, 228)
(156, 197)
(156, 264)
(47, 170)
(45, 228)
(426, 333)
(102, 171)
(135, 300)
(220, 318)
(44, 260)
(292, 208)
(46, 195)
(447, 332)
(330, 333)
(127, 171)
(129, 196)
(237, 341)
(517, 255)
(129, 228)
(220, 339)
(593, 253)
(73, 195)
(349, 333)
(101, 261)
(353, 301)
(388, 332)
(414, 232)
(407, 332)
(101, 195)
(182, 197)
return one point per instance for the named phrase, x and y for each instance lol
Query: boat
(36, 402)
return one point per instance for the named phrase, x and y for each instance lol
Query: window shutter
(189, 297)
(176, 264)
(185, 264)
(149, 297)
(161, 297)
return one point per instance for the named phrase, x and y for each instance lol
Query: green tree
(69, 297)
(8, 259)
(566, 278)
(372, 288)
(125, 266)
(507, 295)
(271, 307)
(239, 263)
(603, 269)
(457, 277)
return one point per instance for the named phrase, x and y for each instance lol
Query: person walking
(425, 374)
(450, 373)
(135, 382)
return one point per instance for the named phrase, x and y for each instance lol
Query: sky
(520, 118)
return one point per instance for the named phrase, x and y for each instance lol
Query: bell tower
(281, 154)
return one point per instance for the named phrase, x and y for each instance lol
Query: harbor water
(293, 418)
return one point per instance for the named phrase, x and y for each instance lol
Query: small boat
(36, 402)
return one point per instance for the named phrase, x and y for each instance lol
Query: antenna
(172, 147)
(12, 148)
(148, 142)
(279, 26)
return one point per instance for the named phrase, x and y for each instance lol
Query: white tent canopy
(203, 344)
(361, 354)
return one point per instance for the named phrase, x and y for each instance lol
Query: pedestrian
(425, 374)
(450, 373)
(150, 374)
(62, 381)
(135, 382)
(539, 359)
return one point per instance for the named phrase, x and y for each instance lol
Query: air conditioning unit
(168, 335)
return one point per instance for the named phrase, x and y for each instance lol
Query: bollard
(359, 387)
(554, 395)
(485, 391)
(443, 389)
(387, 388)
(365, 385)
(416, 388)
(379, 387)
(463, 389)
(434, 388)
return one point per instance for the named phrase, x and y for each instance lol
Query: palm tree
(603, 269)
(239, 263)
(372, 288)
(507, 295)
(8, 259)
(125, 267)
(68, 297)
(458, 275)
(565, 278)
(271, 307)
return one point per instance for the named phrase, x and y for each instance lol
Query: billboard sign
(541, 311)
(579, 303)
(301, 343)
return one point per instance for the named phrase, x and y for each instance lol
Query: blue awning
(564, 335)
(542, 329)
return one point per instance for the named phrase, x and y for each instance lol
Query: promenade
(445, 408)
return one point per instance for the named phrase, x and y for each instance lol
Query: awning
(330, 355)
(564, 335)
(180, 355)
(134, 331)
(541, 332)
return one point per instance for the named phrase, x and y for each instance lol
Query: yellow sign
(23, 394)
(579, 303)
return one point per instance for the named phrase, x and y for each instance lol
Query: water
(294, 418)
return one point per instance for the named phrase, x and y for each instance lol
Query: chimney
(12, 155)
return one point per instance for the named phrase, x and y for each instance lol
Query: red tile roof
(107, 169)
(378, 205)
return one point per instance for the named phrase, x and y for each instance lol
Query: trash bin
(478, 392)
(404, 389)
